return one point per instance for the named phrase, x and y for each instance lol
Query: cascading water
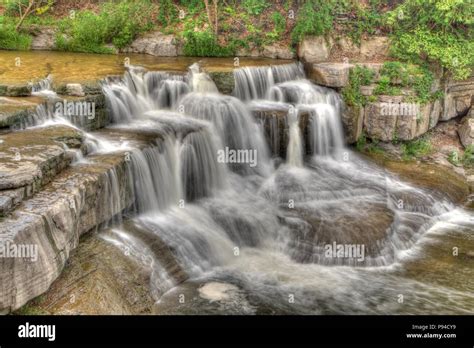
(254, 83)
(265, 229)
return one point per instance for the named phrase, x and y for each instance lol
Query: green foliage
(204, 43)
(255, 7)
(12, 7)
(384, 87)
(125, 21)
(361, 142)
(358, 76)
(394, 75)
(279, 24)
(416, 148)
(435, 30)
(365, 21)
(167, 12)
(371, 147)
(117, 23)
(468, 157)
(10, 39)
(315, 17)
(453, 158)
(87, 32)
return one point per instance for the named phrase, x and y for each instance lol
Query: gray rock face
(276, 127)
(458, 98)
(374, 46)
(389, 119)
(329, 74)
(466, 129)
(51, 222)
(155, 44)
(314, 49)
(352, 121)
(277, 51)
(44, 39)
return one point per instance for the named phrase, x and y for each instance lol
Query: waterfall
(254, 83)
(43, 88)
(234, 124)
(200, 81)
(295, 146)
(323, 106)
(265, 227)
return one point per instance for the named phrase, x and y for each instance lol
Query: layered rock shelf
(72, 201)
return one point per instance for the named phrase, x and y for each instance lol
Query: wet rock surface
(31, 159)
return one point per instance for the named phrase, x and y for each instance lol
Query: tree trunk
(215, 17)
(27, 12)
(208, 11)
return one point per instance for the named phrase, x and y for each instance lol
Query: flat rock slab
(30, 159)
(13, 110)
(34, 155)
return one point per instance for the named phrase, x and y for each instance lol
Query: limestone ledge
(52, 221)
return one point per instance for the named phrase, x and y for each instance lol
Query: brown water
(83, 67)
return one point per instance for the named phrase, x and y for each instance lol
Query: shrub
(204, 43)
(435, 30)
(117, 23)
(315, 17)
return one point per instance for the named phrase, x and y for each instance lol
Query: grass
(10, 39)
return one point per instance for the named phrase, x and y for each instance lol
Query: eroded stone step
(32, 158)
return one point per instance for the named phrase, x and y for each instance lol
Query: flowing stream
(323, 232)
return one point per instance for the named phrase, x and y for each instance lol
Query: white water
(264, 229)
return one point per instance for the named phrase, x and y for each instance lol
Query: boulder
(329, 74)
(224, 81)
(154, 43)
(44, 39)
(466, 129)
(314, 49)
(74, 89)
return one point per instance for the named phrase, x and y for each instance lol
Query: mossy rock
(224, 81)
